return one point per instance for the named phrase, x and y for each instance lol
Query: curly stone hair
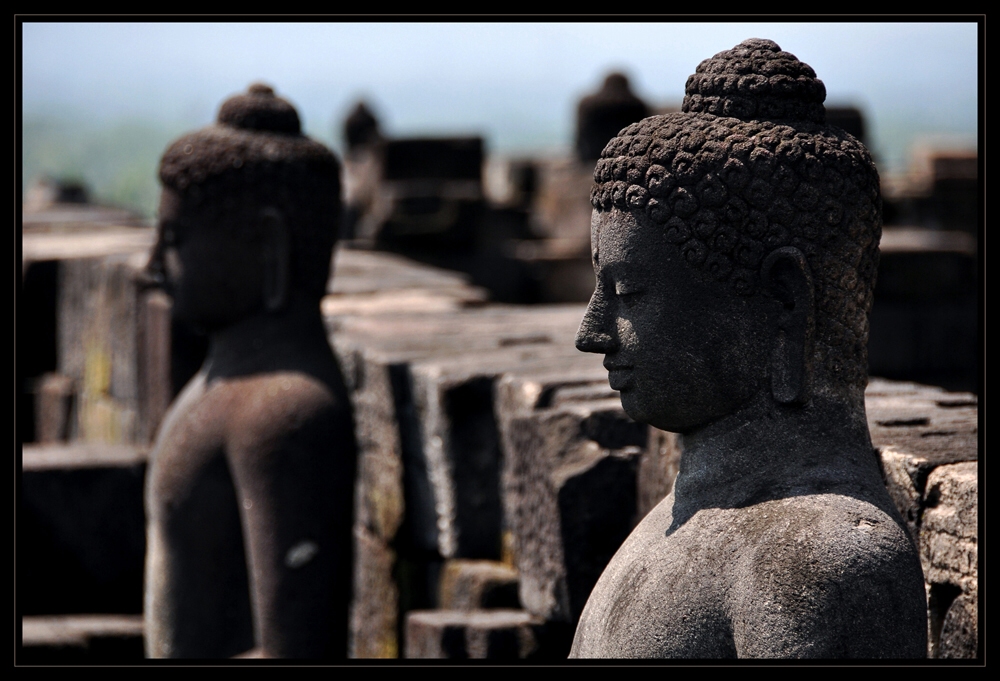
(747, 167)
(256, 157)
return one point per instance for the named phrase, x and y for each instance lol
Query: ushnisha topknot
(254, 129)
(256, 157)
(756, 80)
(747, 167)
(260, 109)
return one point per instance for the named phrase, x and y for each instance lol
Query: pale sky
(517, 84)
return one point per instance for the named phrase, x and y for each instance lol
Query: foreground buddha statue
(735, 246)
(249, 492)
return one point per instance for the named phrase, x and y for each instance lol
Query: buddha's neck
(766, 450)
(269, 341)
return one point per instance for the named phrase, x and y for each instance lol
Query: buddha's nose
(593, 335)
(152, 275)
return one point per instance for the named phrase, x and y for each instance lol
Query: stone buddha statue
(250, 485)
(599, 116)
(735, 246)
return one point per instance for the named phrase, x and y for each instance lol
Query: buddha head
(735, 245)
(248, 214)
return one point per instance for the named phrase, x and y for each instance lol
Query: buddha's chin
(632, 405)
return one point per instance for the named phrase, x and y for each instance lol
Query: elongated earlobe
(787, 278)
(277, 259)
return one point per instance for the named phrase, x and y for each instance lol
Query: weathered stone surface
(369, 282)
(477, 634)
(98, 307)
(959, 638)
(525, 396)
(941, 190)
(562, 206)
(419, 172)
(949, 532)
(53, 406)
(87, 240)
(570, 494)
(397, 417)
(917, 428)
(478, 585)
(98, 317)
(927, 439)
(81, 639)
(559, 266)
(453, 401)
(922, 420)
(658, 466)
(374, 629)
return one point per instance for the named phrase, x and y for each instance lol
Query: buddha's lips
(618, 375)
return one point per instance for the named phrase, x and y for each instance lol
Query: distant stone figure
(249, 492)
(735, 246)
(601, 116)
(361, 128)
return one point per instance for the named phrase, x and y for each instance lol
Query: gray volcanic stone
(570, 493)
(478, 585)
(53, 400)
(99, 347)
(81, 639)
(374, 600)
(453, 402)
(477, 634)
(948, 532)
(950, 557)
(959, 638)
(658, 467)
(735, 245)
(927, 440)
(249, 493)
(407, 372)
(520, 393)
(917, 428)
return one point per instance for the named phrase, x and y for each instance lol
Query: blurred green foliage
(117, 162)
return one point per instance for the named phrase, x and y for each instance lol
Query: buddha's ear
(787, 278)
(277, 258)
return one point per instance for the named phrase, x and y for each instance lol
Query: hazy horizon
(102, 99)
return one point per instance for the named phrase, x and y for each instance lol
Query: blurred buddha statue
(250, 485)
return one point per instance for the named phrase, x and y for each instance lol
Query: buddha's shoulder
(260, 405)
(289, 399)
(806, 540)
(829, 523)
(841, 571)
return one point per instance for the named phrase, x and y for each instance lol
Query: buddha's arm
(292, 456)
